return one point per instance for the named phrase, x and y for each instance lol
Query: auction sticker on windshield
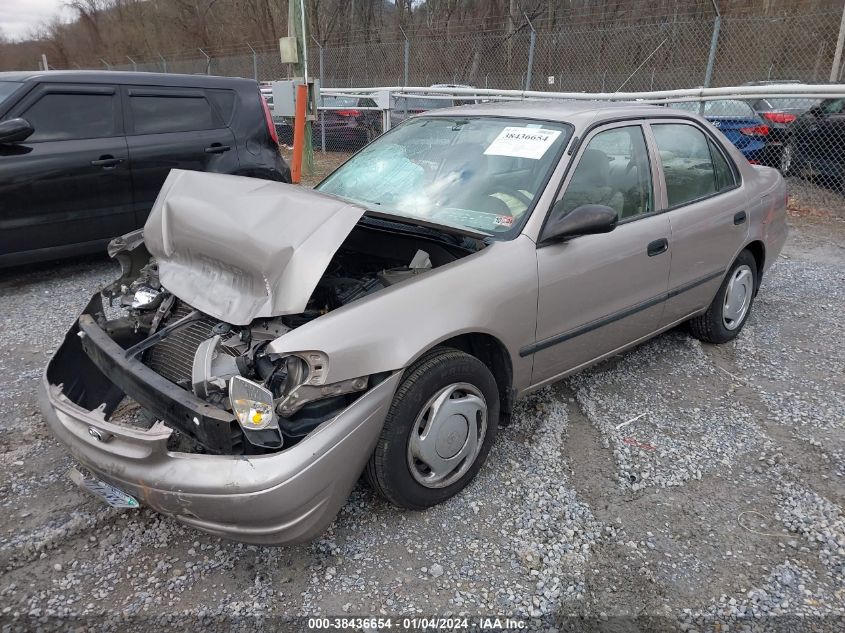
(522, 142)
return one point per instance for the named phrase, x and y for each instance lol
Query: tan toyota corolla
(279, 342)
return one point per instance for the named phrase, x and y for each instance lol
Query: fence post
(714, 44)
(163, 61)
(134, 65)
(108, 66)
(207, 61)
(837, 55)
(321, 112)
(254, 62)
(531, 44)
(406, 57)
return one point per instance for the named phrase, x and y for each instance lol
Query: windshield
(478, 173)
(7, 88)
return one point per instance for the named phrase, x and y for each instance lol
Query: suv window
(157, 114)
(614, 171)
(225, 102)
(725, 176)
(63, 117)
(833, 106)
(687, 165)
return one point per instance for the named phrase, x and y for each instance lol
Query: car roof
(574, 111)
(121, 77)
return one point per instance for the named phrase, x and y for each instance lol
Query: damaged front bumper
(281, 498)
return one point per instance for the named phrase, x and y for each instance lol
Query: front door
(67, 184)
(598, 293)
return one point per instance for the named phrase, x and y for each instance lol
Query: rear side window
(725, 175)
(224, 101)
(157, 114)
(64, 117)
(687, 165)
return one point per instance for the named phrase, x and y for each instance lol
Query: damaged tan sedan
(279, 342)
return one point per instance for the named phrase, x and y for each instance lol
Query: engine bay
(285, 397)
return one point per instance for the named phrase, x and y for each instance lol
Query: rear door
(173, 128)
(68, 184)
(707, 212)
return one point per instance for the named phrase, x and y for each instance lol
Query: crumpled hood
(241, 248)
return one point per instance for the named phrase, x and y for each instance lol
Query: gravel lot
(680, 483)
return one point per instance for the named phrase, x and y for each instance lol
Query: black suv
(83, 154)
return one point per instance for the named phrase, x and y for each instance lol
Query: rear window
(224, 101)
(7, 88)
(158, 114)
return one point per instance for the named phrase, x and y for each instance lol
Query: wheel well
(758, 250)
(490, 351)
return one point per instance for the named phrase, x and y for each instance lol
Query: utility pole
(298, 28)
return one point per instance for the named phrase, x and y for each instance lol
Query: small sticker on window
(503, 220)
(522, 142)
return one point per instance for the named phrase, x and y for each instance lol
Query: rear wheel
(729, 310)
(438, 431)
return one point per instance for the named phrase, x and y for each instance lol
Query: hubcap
(447, 435)
(738, 297)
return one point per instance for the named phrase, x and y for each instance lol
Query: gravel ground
(690, 486)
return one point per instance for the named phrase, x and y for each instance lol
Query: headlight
(253, 406)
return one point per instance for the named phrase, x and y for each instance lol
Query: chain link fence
(651, 54)
(633, 51)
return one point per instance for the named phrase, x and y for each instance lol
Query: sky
(19, 17)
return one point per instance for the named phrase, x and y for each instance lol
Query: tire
(461, 381)
(716, 325)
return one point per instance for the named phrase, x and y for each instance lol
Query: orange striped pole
(298, 133)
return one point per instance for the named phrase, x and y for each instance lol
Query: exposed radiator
(173, 357)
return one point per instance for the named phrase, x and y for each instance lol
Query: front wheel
(729, 310)
(438, 431)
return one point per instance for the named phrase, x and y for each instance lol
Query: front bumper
(280, 498)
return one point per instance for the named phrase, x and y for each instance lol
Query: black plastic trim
(616, 316)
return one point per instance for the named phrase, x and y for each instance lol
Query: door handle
(106, 161)
(658, 246)
(740, 217)
(217, 148)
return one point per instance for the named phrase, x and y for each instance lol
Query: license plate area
(107, 493)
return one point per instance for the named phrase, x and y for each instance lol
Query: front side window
(687, 164)
(64, 117)
(613, 171)
(7, 88)
(480, 173)
(157, 114)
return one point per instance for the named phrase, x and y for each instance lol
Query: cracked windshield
(479, 173)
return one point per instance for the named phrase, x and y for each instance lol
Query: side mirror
(587, 219)
(15, 130)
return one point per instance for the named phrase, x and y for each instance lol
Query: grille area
(173, 357)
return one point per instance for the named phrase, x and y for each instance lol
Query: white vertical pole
(837, 56)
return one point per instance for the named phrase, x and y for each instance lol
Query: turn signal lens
(757, 130)
(252, 404)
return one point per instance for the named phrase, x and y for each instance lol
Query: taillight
(757, 130)
(779, 117)
(348, 112)
(271, 127)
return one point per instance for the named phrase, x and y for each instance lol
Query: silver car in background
(277, 342)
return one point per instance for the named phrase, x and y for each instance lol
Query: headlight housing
(253, 407)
